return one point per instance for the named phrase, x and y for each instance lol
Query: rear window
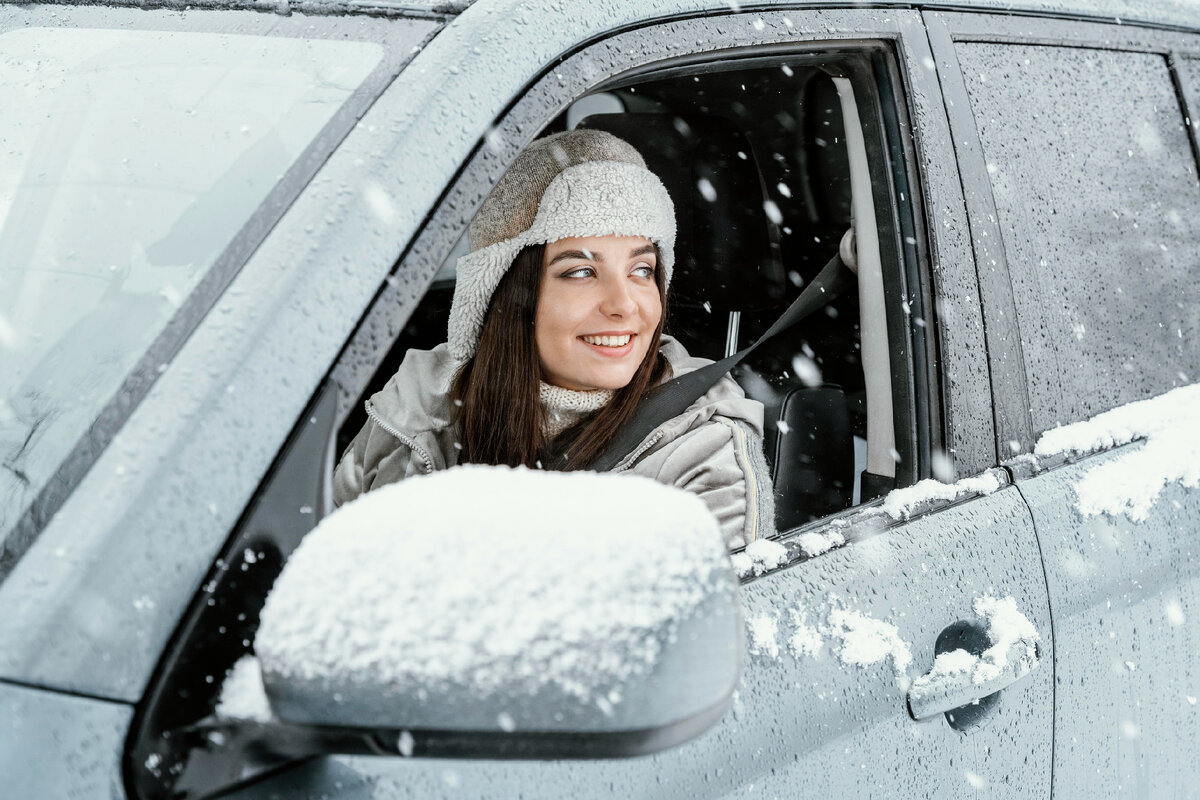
(131, 160)
(1096, 189)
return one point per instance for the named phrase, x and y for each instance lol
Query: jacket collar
(417, 398)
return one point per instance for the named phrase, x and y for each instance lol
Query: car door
(1102, 266)
(844, 612)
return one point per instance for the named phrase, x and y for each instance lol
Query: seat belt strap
(673, 397)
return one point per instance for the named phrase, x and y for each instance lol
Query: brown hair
(500, 413)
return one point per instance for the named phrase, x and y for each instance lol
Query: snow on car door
(837, 639)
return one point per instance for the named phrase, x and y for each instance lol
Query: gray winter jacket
(713, 449)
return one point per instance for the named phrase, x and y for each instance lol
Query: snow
(242, 695)
(805, 639)
(1011, 635)
(764, 629)
(759, 556)
(954, 662)
(865, 641)
(1007, 627)
(900, 503)
(764, 555)
(504, 580)
(1132, 482)
(813, 543)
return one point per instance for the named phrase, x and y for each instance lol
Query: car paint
(1125, 597)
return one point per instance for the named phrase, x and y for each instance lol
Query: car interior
(756, 162)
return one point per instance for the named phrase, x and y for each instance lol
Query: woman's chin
(592, 382)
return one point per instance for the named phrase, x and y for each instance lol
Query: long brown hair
(500, 413)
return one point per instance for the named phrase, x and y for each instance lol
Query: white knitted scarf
(565, 407)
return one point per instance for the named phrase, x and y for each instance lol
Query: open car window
(754, 154)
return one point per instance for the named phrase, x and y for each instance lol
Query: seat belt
(673, 397)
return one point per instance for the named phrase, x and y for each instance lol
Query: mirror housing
(495, 612)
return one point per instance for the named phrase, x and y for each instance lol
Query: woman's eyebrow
(644, 250)
(583, 255)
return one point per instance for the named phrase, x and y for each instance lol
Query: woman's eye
(578, 272)
(644, 270)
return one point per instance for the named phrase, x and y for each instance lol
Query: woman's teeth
(607, 341)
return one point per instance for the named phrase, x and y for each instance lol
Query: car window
(132, 159)
(754, 155)
(1096, 214)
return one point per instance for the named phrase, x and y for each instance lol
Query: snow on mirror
(482, 604)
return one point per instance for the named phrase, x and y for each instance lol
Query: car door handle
(959, 678)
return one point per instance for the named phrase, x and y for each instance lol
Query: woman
(555, 335)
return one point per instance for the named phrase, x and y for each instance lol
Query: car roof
(1179, 14)
(1166, 13)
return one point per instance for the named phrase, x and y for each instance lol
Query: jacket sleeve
(722, 463)
(375, 458)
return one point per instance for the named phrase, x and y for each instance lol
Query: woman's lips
(611, 352)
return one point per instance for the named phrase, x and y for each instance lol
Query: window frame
(916, 246)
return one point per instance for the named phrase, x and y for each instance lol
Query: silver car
(222, 225)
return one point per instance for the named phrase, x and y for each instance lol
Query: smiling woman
(555, 337)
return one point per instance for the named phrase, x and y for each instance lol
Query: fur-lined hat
(577, 183)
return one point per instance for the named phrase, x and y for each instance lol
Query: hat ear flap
(478, 275)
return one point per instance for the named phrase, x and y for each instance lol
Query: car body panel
(54, 745)
(1126, 602)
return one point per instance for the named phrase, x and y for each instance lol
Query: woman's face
(597, 311)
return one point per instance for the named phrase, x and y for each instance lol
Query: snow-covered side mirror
(493, 612)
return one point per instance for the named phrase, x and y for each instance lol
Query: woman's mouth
(610, 345)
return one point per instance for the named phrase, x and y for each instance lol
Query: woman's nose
(617, 300)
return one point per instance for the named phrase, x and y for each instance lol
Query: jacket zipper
(405, 440)
(627, 462)
(752, 488)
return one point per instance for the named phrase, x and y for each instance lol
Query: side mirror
(489, 612)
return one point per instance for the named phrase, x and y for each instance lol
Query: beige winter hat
(576, 183)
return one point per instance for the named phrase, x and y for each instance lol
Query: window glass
(131, 159)
(1096, 190)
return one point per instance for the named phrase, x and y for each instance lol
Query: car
(222, 226)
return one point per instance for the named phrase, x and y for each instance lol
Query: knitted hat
(576, 183)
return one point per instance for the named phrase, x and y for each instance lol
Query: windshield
(130, 161)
